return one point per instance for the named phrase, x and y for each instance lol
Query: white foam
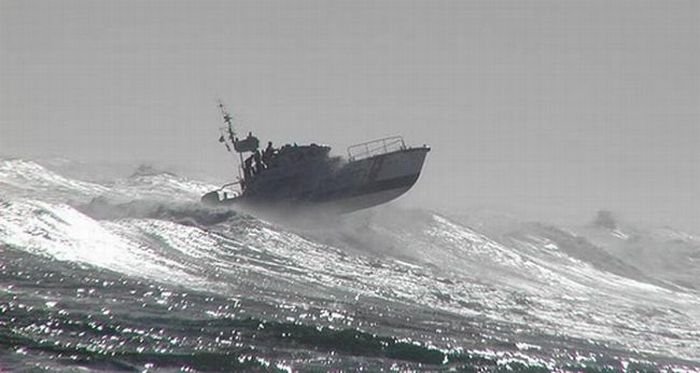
(61, 232)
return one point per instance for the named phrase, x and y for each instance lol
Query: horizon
(124, 170)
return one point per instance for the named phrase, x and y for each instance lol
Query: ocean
(132, 273)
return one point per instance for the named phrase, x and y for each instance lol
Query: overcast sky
(550, 109)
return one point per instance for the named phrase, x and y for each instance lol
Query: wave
(539, 277)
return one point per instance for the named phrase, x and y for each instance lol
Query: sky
(547, 109)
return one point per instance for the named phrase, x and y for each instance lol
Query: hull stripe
(372, 187)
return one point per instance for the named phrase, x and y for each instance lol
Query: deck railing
(375, 147)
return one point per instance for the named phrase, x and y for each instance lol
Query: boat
(309, 177)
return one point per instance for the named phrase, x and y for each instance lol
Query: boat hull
(338, 188)
(382, 178)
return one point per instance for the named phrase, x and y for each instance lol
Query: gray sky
(550, 109)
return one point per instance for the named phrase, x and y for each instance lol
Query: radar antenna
(228, 119)
(229, 132)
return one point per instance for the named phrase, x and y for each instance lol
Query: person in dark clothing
(268, 154)
(248, 169)
(258, 162)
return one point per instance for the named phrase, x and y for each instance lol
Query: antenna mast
(228, 120)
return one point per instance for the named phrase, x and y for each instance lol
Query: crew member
(268, 154)
(258, 162)
(247, 169)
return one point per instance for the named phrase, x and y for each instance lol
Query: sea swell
(135, 273)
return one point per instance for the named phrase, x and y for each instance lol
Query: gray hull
(333, 185)
(382, 178)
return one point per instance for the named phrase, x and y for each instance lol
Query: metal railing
(226, 188)
(375, 147)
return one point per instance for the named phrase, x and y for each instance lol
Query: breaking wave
(380, 287)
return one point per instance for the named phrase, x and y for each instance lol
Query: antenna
(228, 119)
